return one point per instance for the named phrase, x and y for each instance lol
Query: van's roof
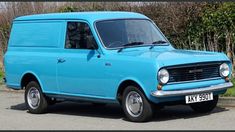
(89, 16)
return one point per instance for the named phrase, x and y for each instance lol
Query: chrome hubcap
(134, 104)
(33, 98)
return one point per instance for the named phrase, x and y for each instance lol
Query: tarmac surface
(85, 116)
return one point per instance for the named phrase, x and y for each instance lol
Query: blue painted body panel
(83, 74)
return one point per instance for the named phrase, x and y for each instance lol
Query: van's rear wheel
(204, 107)
(135, 105)
(35, 100)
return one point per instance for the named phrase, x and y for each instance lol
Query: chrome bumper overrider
(211, 88)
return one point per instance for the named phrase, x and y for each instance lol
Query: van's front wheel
(34, 98)
(135, 105)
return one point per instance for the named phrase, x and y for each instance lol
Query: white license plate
(198, 97)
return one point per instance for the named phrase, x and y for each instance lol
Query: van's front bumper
(212, 88)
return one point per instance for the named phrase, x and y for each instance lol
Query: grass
(1, 76)
(231, 91)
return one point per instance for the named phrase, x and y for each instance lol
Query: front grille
(193, 72)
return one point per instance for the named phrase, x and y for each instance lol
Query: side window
(79, 36)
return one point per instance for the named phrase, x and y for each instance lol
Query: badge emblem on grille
(196, 70)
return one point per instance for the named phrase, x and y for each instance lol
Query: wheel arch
(128, 82)
(27, 77)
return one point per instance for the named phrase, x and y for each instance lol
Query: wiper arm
(157, 42)
(133, 43)
(130, 44)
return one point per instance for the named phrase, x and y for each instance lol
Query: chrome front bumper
(211, 88)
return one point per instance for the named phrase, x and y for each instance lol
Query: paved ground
(70, 115)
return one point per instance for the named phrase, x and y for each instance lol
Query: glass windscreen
(128, 32)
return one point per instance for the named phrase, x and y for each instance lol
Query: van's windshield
(129, 32)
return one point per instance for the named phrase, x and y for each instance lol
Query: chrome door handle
(60, 60)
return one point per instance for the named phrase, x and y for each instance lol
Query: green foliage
(209, 28)
(68, 9)
(219, 16)
(1, 76)
(231, 91)
(4, 36)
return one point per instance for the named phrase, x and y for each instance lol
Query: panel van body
(109, 57)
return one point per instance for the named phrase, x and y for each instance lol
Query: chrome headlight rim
(163, 76)
(224, 70)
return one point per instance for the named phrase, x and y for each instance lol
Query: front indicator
(159, 87)
(227, 79)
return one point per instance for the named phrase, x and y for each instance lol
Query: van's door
(79, 68)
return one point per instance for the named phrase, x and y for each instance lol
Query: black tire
(205, 107)
(51, 101)
(147, 111)
(157, 107)
(42, 105)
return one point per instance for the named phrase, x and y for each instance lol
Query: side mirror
(95, 47)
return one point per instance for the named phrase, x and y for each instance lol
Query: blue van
(109, 57)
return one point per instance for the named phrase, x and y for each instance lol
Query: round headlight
(163, 76)
(224, 70)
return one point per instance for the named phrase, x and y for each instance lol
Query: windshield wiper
(157, 42)
(130, 44)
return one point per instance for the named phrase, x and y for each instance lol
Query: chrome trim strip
(195, 64)
(211, 88)
(192, 81)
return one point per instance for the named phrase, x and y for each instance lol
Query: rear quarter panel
(33, 48)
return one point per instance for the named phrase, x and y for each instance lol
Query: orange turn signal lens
(227, 79)
(159, 87)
